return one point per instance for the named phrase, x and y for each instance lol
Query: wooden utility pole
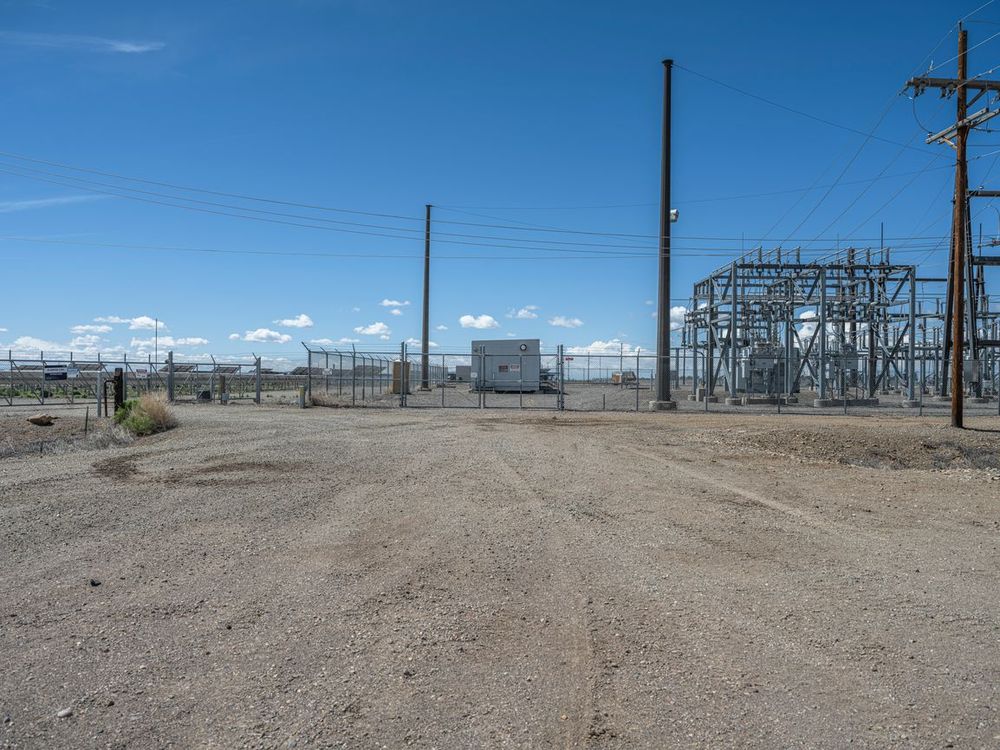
(959, 251)
(425, 358)
(957, 136)
(661, 399)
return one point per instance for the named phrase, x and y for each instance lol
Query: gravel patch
(267, 577)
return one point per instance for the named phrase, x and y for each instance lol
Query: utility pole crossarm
(957, 137)
(949, 86)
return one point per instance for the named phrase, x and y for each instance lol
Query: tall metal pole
(662, 392)
(958, 258)
(425, 341)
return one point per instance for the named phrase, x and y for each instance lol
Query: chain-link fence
(572, 379)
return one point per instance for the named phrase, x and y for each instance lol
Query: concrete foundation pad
(908, 404)
(822, 403)
(730, 401)
(692, 397)
(760, 400)
(713, 399)
(941, 398)
(790, 400)
(662, 405)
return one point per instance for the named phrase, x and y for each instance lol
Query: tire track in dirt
(581, 682)
(721, 484)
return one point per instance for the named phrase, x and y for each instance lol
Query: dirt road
(373, 578)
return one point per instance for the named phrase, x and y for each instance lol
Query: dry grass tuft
(155, 406)
(328, 399)
(145, 415)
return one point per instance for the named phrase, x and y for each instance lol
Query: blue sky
(505, 116)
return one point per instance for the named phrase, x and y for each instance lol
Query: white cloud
(611, 346)
(86, 345)
(677, 314)
(9, 207)
(167, 342)
(395, 311)
(561, 321)
(25, 344)
(511, 335)
(394, 303)
(234, 337)
(80, 43)
(299, 321)
(416, 342)
(384, 337)
(525, 313)
(355, 309)
(140, 323)
(3, 330)
(374, 329)
(648, 302)
(331, 342)
(87, 341)
(88, 329)
(478, 321)
(266, 335)
(144, 323)
(441, 328)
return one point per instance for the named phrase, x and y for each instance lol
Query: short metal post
(257, 381)
(638, 378)
(402, 373)
(170, 377)
(309, 374)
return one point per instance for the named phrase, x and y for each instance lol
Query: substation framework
(847, 326)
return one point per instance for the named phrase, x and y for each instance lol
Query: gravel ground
(264, 577)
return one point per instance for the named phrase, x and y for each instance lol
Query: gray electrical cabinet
(508, 365)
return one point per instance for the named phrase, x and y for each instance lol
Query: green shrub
(145, 415)
(139, 422)
(125, 411)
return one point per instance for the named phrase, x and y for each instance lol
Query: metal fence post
(257, 381)
(638, 378)
(354, 375)
(402, 373)
(309, 375)
(41, 358)
(562, 377)
(170, 377)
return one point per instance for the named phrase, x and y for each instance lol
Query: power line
(799, 112)
(116, 191)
